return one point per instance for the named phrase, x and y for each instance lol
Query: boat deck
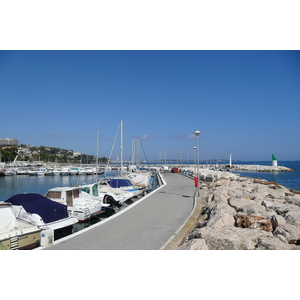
(148, 225)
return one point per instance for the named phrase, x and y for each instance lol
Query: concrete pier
(148, 225)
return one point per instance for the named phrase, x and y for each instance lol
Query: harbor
(138, 220)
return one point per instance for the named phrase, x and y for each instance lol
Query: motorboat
(105, 186)
(121, 184)
(81, 171)
(10, 172)
(65, 171)
(141, 179)
(16, 234)
(73, 171)
(90, 171)
(38, 172)
(40, 211)
(41, 171)
(80, 205)
(107, 198)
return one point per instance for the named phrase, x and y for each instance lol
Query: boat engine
(110, 200)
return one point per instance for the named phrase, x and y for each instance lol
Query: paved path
(146, 226)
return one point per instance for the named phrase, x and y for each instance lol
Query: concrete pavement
(148, 225)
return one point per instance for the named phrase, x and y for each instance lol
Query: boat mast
(97, 149)
(121, 145)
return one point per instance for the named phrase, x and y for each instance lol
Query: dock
(151, 223)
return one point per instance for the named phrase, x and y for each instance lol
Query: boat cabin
(64, 195)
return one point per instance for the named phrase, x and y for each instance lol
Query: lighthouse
(274, 161)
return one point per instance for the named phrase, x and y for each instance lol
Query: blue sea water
(288, 179)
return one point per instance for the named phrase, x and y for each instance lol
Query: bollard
(196, 182)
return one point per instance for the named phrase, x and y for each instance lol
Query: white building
(9, 142)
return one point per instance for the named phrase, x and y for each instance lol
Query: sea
(288, 179)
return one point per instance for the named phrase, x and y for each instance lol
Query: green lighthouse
(274, 161)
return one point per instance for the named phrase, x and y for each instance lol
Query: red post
(196, 182)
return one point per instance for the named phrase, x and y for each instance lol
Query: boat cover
(48, 210)
(117, 183)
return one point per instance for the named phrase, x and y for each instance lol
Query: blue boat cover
(117, 183)
(47, 209)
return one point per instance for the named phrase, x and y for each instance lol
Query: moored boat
(73, 171)
(40, 211)
(122, 184)
(140, 179)
(65, 171)
(16, 234)
(107, 198)
(81, 171)
(10, 172)
(80, 206)
(104, 186)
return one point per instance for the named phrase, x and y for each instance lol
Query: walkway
(146, 226)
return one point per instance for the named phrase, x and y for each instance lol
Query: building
(9, 142)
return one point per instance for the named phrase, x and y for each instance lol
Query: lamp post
(195, 148)
(180, 159)
(197, 133)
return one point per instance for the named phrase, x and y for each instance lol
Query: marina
(85, 208)
(114, 196)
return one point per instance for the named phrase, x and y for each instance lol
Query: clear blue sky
(244, 102)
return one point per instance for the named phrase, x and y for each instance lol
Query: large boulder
(231, 238)
(272, 243)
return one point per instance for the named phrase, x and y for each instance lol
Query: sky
(243, 102)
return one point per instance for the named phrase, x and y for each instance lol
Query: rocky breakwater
(244, 213)
(260, 168)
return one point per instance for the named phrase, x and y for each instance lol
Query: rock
(272, 243)
(246, 213)
(231, 238)
(247, 206)
(293, 217)
(195, 244)
(254, 222)
(221, 220)
(290, 232)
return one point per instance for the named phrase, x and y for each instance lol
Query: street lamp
(197, 133)
(180, 159)
(195, 148)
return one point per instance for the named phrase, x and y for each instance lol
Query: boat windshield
(53, 195)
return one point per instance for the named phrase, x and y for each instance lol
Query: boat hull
(21, 242)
